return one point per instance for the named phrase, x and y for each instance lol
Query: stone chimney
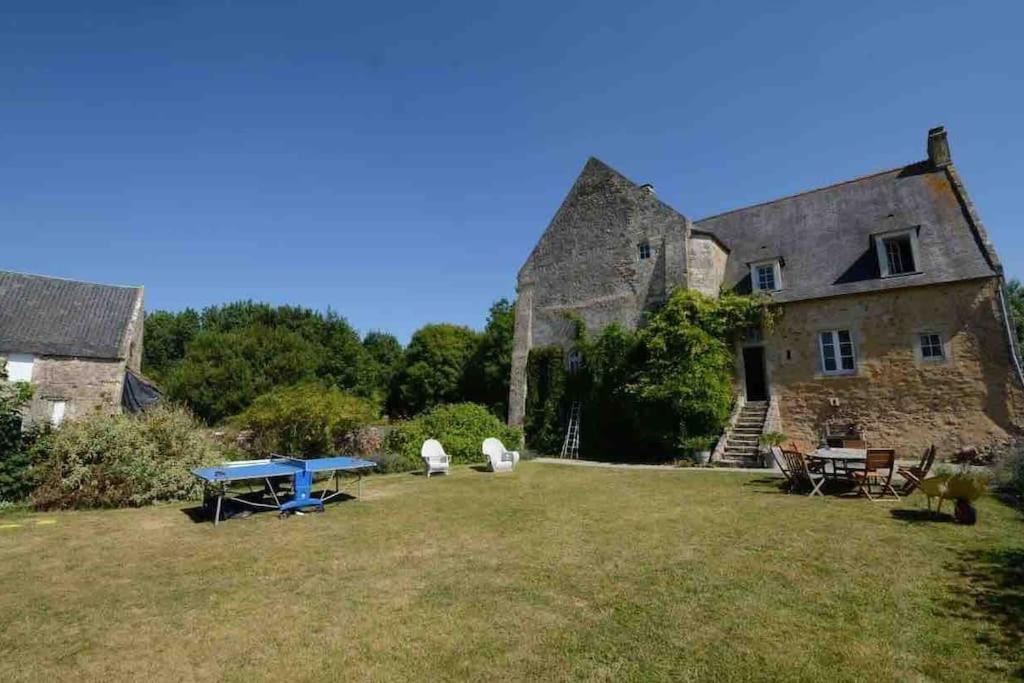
(938, 148)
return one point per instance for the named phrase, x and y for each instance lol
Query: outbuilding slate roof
(824, 236)
(54, 317)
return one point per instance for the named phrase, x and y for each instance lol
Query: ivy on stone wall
(545, 399)
(652, 394)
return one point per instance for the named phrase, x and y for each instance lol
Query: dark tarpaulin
(138, 393)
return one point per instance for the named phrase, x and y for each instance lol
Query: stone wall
(706, 264)
(132, 349)
(87, 385)
(970, 398)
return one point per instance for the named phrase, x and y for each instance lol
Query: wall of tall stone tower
(589, 262)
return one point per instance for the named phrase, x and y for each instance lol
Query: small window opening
(575, 362)
(931, 347)
(645, 250)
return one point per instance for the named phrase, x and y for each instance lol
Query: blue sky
(397, 161)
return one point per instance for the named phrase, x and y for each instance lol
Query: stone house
(892, 296)
(79, 344)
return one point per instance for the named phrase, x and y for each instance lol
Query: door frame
(765, 371)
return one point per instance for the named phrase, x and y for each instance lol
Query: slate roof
(53, 317)
(824, 236)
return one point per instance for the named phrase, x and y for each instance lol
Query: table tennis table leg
(216, 515)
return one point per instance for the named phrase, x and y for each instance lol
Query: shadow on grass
(994, 595)
(230, 509)
(922, 516)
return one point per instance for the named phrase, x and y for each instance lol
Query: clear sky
(397, 161)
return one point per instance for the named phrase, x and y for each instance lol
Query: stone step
(747, 429)
(738, 462)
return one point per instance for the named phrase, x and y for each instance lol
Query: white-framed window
(766, 276)
(19, 367)
(930, 347)
(645, 250)
(897, 252)
(57, 410)
(838, 355)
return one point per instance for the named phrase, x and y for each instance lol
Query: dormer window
(766, 276)
(645, 250)
(897, 253)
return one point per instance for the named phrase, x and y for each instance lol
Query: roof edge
(68, 279)
(988, 249)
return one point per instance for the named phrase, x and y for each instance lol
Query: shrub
(461, 428)
(305, 420)
(18, 447)
(123, 460)
(1011, 474)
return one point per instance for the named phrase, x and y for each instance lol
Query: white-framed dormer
(898, 252)
(766, 275)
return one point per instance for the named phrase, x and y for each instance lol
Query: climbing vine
(652, 394)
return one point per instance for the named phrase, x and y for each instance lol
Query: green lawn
(552, 572)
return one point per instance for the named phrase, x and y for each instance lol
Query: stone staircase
(741, 445)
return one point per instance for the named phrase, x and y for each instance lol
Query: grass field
(551, 572)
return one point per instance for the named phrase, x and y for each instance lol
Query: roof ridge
(67, 279)
(806, 192)
(634, 184)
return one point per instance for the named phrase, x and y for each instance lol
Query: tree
(223, 372)
(686, 359)
(1015, 301)
(385, 359)
(433, 368)
(166, 336)
(489, 370)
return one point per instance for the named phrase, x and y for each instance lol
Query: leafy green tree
(223, 372)
(1015, 290)
(686, 360)
(166, 336)
(434, 368)
(489, 370)
(385, 359)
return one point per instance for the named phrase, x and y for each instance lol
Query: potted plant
(767, 441)
(698, 448)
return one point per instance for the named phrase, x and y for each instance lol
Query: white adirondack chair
(499, 459)
(434, 458)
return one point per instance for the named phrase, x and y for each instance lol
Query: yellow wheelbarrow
(964, 489)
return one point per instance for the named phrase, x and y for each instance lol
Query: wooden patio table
(840, 459)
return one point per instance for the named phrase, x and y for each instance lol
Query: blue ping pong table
(218, 479)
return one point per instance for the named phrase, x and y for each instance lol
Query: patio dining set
(848, 464)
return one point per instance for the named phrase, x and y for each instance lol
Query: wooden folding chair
(803, 474)
(878, 459)
(913, 476)
(780, 461)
